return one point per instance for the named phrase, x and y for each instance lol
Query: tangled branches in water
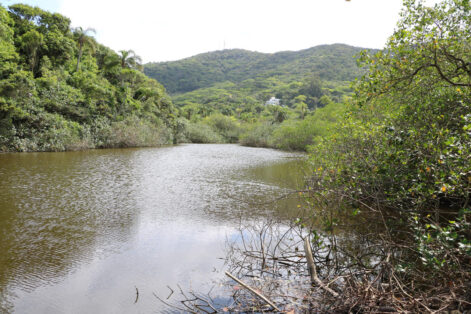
(354, 273)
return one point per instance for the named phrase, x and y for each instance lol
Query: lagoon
(80, 231)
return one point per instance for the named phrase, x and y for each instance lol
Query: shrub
(202, 133)
(227, 127)
(135, 132)
(258, 135)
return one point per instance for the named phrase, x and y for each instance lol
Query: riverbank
(132, 132)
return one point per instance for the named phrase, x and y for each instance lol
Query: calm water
(80, 230)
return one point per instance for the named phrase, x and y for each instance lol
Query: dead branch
(252, 290)
(312, 269)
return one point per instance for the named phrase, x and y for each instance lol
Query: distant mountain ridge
(328, 62)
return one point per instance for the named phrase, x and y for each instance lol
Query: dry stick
(312, 268)
(253, 291)
(408, 295)
(137, 295)
(170, 292)
(173, 306)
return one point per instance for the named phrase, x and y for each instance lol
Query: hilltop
(222, 80)
(328, 62)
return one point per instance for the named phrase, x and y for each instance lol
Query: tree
(83, 39)
(424, 79)
(8, 55)
(30, 42)
(431, 45)
(402, 154)
(301, 106)
(25, 17)
(279, 113)
(130, 60)
(190, 111)
(324, 101)
(406, 144)
(111, 65)
(312, 87)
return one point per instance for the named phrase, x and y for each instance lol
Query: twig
(137, 295)
(171, 305)
(170, 292)
(253, 291)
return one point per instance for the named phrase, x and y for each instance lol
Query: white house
(273, 101)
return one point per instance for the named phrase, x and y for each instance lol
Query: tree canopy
(59, 89)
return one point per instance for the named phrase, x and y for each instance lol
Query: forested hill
(327, 62)
(61, 90)
(223, 95)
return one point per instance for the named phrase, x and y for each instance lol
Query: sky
(166, 30)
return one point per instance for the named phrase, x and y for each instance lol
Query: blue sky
(49, 5)
(163, 30)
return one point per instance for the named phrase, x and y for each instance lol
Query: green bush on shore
(293, 133)
(258, 135)
(200, 133)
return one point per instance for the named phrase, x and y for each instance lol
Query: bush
(258, 135)
(294, 134)
(227, 127)
(202, 133)
(135, 132)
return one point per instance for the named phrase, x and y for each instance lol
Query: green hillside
(229, 79)
(328, 62)
(222, 95)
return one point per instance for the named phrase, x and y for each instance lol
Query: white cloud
(173, 29)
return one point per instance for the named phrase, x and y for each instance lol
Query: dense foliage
(403, 153)
(328, 62)
(238, 83)
(294, 133)
(60, 89)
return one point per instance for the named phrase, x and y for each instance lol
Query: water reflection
(80, 230)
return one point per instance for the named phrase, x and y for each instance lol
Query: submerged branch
(252, 291)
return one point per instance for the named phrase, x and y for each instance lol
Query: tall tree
(301, 106)
(8, 55)
(31, 41)
(83, 39)
(129, 59)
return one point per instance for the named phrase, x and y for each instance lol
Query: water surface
(81, 230)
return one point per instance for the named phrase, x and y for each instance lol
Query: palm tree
(130, 60)
(302, 108)
(83, 39)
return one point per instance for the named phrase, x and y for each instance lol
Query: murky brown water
(80, 230)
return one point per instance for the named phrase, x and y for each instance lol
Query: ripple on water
(80, 229)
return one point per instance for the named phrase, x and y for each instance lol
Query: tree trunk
(79, 57)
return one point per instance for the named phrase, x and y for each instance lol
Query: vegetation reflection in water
(81, 230)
